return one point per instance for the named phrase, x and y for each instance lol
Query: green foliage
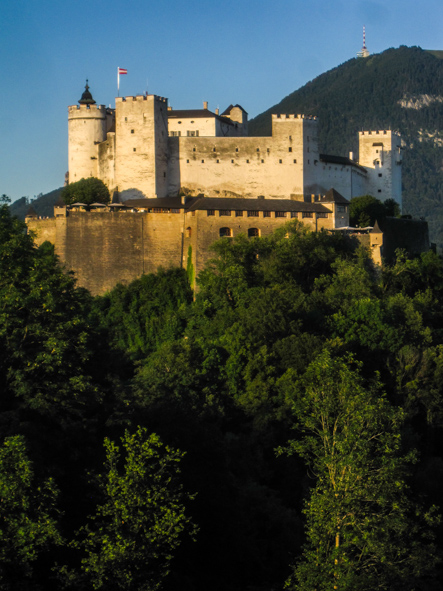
(190, 267)
(131, 539)
(90, 190)
(44, 335)
(359, 514)
(28, 516)
(366, 210)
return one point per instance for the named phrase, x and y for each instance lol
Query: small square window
(202, 161)
(266, 214)
(290, 149)
(126, 118)
(218, 161)
(379, 174)
(211, 212)
(258, 149)
(132, 131)
(262, 161)
(238, 214)
(232, 162)
(247, 161)
(193, 149)
(281, 161)
(187, 161)
(134, 149)
(295, 161)
(213, 149)
(379, 190)
(236, 149)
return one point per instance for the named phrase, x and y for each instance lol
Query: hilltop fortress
(145, 149)
(181, 179)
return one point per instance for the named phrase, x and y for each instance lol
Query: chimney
(351, 155)
(205, 105)
(169, 108)
(217, 111)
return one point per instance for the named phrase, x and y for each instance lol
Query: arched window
(225, 233)
(188, 232)
(253, 232)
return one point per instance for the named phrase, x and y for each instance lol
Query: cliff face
(400, 89)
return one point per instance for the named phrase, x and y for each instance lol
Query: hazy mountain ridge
(43, 205)
(400, 89)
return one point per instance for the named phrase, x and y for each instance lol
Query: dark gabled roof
(205, 203)
(342, 160)
(166, 202)
(333, 196)
(197, 114)
(229, 109)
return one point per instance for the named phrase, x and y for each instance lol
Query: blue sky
(249, 52)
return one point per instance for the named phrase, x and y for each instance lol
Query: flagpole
(118, 81)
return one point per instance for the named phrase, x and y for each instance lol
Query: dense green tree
(363, 531)
(28, 516)
(365, 210)
(90, 190)
(130, 541)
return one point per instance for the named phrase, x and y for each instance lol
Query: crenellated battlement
(140, 97)
(386, 132)
(282, 117)
(87, 109)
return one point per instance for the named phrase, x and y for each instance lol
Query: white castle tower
(88, 125)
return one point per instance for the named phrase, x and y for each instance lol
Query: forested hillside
(283, 425)
(400, 89)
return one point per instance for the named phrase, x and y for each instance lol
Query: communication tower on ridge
(364, 50)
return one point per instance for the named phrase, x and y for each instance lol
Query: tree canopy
(90, 190)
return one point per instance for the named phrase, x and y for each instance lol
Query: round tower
(87, 127)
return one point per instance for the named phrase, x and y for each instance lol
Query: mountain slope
(43, 205)
(400, 89)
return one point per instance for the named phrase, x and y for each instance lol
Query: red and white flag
(120, 71)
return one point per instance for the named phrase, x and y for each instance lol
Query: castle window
(187, 161)
(307, 214)
(236, 149)
(179, 122)
(280, 214)
(253, 232)
(379, 174)
(238, 214)
(295, 161)
(258, 149)
(211, 212)
(157, 210)
(202, 161)
(247, 161)
(218, 161)
(266, 214)
(262, 161)
(294, 214)
(175, 210)
(213, 149)
(188, 232)
(134, 149)
(290, 138)
(253, 214)
(379, 190)
(232, 162)
(290, 149)
(126, 118)
(268, 150)
(193, 149)
(341, 209)
(322, 215)
(225, 233)
(132, 131)
(226, 212)
(192, 122)
(280, 161)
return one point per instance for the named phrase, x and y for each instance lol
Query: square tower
(380, 154)
(141, 146)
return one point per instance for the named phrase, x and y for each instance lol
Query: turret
(88, 124)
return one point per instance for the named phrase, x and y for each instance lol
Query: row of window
(267, 214)
(193, 133)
